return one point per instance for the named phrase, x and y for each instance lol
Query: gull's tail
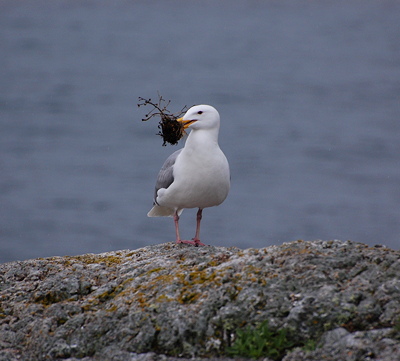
(159, 211)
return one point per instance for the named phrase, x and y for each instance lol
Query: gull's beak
(186, 123)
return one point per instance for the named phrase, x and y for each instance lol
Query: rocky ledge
(320, 300)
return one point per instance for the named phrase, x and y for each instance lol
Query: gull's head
(200, 117)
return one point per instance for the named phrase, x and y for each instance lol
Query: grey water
(309, 98)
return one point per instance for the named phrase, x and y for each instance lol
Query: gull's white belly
(199, 182)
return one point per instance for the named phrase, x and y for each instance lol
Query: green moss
(261, 342)
(310, 345)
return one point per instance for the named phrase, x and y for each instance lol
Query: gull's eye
(199, 112)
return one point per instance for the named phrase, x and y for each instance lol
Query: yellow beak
(186, 123)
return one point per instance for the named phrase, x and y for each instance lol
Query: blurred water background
(308, 93)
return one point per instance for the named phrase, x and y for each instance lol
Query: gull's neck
(202, 139)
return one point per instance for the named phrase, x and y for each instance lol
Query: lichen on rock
(332, 299)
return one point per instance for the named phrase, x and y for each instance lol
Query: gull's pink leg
(196, 238)
(196, 241)
(176, 220)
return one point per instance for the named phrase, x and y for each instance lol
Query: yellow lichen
(164, 298)
(154, 270)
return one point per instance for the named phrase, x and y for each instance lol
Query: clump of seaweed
(170, 129)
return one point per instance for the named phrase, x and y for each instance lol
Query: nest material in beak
(171, 128)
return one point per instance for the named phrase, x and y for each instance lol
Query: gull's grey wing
(166, 176)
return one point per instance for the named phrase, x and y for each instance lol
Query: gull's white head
(201, 117)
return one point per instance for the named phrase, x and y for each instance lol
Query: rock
(336, 300)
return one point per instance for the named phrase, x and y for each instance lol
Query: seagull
(196, 176)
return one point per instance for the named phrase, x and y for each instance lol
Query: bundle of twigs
(170, 129)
